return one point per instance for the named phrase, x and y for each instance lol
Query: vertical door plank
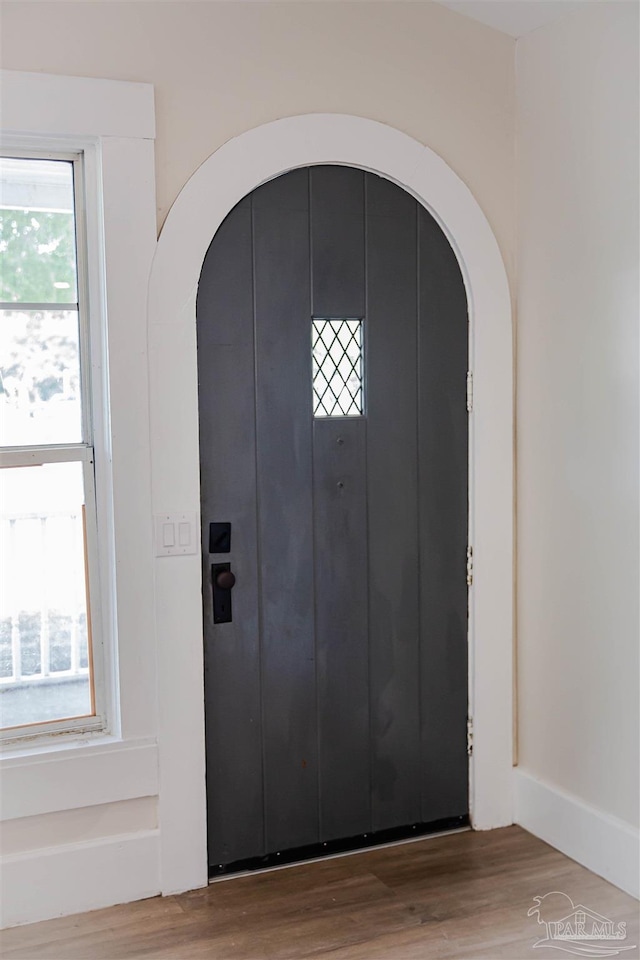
(283, 384)
(337, 241)
(443, 524)
(392, 504)
(228, 493)
(340, 524)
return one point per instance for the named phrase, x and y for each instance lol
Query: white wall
(219, 69)
(577, 414)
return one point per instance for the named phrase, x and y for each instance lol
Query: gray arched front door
(332, 355)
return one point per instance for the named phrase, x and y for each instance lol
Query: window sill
(55, 734)
(65, 745)
(83, 773)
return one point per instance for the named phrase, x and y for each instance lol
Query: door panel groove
(314, 551)
(418, 506)
(258, 543)
(370, 752)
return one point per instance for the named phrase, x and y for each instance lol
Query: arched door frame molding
(233, 171)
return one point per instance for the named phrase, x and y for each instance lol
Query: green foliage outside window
(37, 257)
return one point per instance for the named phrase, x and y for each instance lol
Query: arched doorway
(232, 172)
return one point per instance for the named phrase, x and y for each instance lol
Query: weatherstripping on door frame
(229, 174)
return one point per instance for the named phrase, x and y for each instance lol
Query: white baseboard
(75, 877)
(602, 843)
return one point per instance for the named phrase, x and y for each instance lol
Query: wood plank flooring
(459, 896)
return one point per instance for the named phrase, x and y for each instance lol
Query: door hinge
(469, 736)
(469, 391)
(469, 566)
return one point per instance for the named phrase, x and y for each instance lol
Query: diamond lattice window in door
(337, 368)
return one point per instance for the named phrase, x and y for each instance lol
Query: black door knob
(225, 580)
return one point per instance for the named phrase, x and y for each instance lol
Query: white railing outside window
(44, 649)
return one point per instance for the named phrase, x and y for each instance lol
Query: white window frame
(91, 450)
(111, 123)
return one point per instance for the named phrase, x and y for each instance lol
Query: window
(337, 370)
(48, 584)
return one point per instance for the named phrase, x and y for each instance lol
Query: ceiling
(515, 17)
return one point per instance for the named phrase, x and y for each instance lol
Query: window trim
(113, 121)
(55, 773)
(92, 344)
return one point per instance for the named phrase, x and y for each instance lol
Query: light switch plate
(176, 534)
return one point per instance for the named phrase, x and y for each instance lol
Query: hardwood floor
(460, 896)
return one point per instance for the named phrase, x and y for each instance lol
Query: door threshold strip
(347, 848)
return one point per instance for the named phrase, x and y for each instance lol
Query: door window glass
(337, 367)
